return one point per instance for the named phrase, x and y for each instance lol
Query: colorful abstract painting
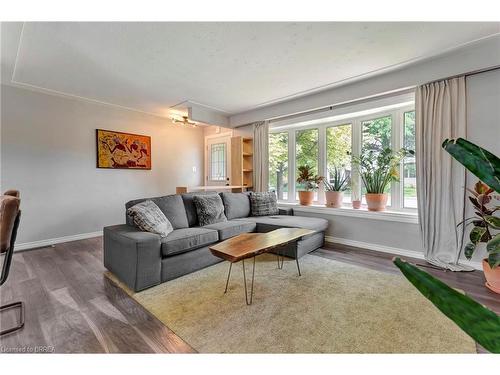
(118, 150)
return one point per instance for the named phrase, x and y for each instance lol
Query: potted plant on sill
(378, 168)
(310, 182)
(334, 189)
(485, 166)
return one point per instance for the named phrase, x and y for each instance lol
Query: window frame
(397, 141)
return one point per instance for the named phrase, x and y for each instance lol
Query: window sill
(398, 216)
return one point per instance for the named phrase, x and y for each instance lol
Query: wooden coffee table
(249, 245)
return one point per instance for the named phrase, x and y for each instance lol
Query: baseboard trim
(387, 249)
(54, 241)
(331, 239)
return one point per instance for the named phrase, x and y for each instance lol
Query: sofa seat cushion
(269, 223)
(186, 239)
(228, 229)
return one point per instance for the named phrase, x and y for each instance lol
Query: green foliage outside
(377, 134)
(306, 143)
(278, 163)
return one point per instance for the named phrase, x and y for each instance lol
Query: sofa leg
(14, 305)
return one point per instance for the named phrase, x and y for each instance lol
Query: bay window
(328, 144)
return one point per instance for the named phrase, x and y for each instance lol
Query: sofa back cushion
(263, 204)
(236, 205)
(209, 208)
(187, 198)
(172, 207)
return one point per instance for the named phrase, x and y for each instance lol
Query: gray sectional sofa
(142, 259)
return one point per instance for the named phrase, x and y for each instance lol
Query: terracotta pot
(334, 198)
(356, 205)
(376, 202)
(492, 277)
(306, 197)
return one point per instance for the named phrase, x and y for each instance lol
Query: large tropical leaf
(493, 248)
(480, 323)
(479, 161)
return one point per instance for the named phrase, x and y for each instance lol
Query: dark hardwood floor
(72, 308)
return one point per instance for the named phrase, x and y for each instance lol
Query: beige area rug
(332, 308)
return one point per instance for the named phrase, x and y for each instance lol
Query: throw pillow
(209, 208)
(148, 217)
(264, 204)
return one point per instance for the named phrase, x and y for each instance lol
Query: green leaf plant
(307, 178)
(486, 166)
(338, 182)
(378, 168)
(482, 324)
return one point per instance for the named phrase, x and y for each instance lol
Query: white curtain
(440, 114)
(261, 156)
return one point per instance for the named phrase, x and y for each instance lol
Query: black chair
(10, 215)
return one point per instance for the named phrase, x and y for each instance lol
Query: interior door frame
(206, 171)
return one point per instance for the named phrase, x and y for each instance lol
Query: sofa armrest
(133, 256)
(286, 211)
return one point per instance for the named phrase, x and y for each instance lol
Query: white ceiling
(232, 67)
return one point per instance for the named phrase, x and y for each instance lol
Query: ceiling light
(185, 121)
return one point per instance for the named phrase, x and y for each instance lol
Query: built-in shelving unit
(242, 161)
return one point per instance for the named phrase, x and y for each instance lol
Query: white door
(218, 160)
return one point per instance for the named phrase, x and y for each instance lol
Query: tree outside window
(306, 143)
(376, 136)
(278, 164)
(338, 148)
(409, 169)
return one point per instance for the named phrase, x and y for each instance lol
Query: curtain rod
(334, 106)
(468, 74)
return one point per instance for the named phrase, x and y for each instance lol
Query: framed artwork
(118, 150)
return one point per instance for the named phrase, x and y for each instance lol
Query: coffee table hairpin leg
(249, 302)
(245, 281)
(228, 276)
(282, 261)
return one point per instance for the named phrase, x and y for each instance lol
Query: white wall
(49, 153)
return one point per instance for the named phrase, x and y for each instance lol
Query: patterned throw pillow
(148, 217)
(209, 208)
(264, 204)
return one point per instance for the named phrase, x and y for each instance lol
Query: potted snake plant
(378, 168)
(334, 189)
(310, 183)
